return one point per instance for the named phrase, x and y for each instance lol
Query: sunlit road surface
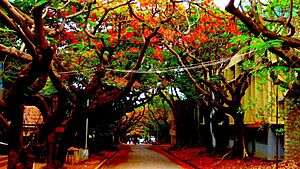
(139, 157)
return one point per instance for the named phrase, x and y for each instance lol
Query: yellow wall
(263, 96)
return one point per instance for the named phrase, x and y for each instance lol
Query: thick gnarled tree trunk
(239, 146)
(186, 128)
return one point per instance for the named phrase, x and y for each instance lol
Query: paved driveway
(140, 157)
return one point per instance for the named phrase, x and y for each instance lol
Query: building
(32, 120)
(264, 112)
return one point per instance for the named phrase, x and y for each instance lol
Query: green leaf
(41, 2)
(283, 68)
(80, 46)
(297, 69)
(5, 30)
(50, 38)
(130, 29)
(151, 50)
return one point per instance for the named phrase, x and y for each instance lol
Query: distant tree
(131, 113)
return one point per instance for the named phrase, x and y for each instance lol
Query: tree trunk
(292, 124)
(239, 147)
(15, 132)
(77, 120)
(186, 128)
(207, 135)
(52, 150)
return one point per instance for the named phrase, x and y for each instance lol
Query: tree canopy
(59, 55)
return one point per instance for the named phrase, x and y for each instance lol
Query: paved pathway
(140, 157)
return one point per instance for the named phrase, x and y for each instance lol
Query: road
(140, 157)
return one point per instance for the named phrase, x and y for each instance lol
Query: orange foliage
(137, 84)
(134, 24)
(138, 42)
(158, 54)
(164, 81)
(93, 17)
(129, 35)
(120, 54)
(232, 28)
(73, 9)
(120, 80)
(153, 22)
(154, 40)
(134, 49)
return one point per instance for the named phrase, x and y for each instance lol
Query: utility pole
(157, 133)
(86, 127)
(276, 131)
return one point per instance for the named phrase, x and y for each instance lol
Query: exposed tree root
(245, 154)
(229, 154)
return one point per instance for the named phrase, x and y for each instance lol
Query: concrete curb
(101, 163)
(186, 162)
(105, 160)
(177, 160)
